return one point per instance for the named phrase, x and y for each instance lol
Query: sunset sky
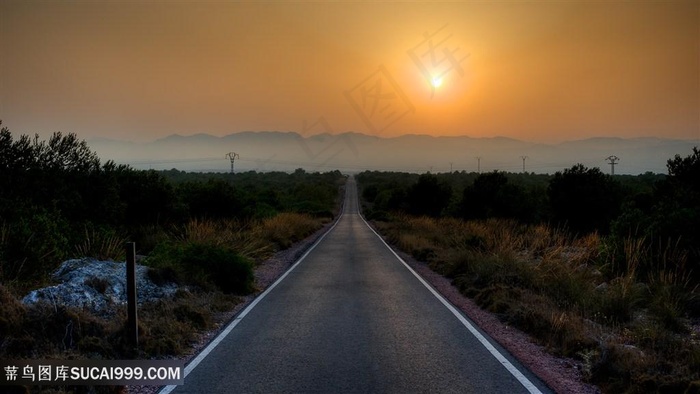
(535, 71)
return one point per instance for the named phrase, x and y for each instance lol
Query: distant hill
(354, 152)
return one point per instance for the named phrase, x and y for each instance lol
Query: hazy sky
(539, 71)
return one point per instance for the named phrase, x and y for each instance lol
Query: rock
(97, 285)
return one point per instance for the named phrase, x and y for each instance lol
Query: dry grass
(239, 236)
(256, 239)
(166, 328)
(287, 228)
(623, 312)
(101, 245)
(169, 327)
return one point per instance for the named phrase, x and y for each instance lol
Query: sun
(436, 82)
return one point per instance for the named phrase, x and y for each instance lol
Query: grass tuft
(101, 244)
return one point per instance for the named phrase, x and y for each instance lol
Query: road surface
(352, 318)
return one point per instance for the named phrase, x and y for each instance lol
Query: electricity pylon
(232, 156)
(612, 160)
(523, 157)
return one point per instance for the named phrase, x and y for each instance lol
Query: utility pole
(523, 157)
(612, 160)
(450, 167)
(232, 156)
(478, 164)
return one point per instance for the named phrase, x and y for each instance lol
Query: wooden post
(132, 322)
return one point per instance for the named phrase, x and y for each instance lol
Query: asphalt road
(350, 318)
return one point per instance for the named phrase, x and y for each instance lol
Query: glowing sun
(436, 82)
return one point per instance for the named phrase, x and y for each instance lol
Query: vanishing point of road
(351, 317)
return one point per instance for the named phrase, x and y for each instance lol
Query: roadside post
(132, 316)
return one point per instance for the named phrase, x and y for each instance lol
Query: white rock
(75, 292)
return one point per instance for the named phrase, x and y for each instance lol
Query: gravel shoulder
(562, 375)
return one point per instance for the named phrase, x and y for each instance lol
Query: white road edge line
(213, 344)
(504, 361)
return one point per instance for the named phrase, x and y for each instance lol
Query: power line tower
(612, 160)
(523, 157)
(478, 164)
(232, 156)
(450, 167)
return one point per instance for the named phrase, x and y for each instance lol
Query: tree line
(53, 192)
(659, 208)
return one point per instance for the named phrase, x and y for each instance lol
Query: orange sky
(539, 71)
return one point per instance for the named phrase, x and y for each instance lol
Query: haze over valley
(354, 152)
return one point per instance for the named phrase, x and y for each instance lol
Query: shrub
(212, 199)
(286, 228)
(614, 368)
(428, 196)
(49, 329)
(230, 272)
(11, 313)
(33, 245)
(585, 199)
(204, 265)
(618, 302)
(376, 214)
(492, 196)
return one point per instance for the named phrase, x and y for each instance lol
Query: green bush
(492, 195)
(429, 196)
(33, 245)
(585, 199)
(203, 265)
(230, 272)
(376, 214)
(11, 313)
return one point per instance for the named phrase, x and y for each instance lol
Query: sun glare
(436, 82)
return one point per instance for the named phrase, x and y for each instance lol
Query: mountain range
(353, 152)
